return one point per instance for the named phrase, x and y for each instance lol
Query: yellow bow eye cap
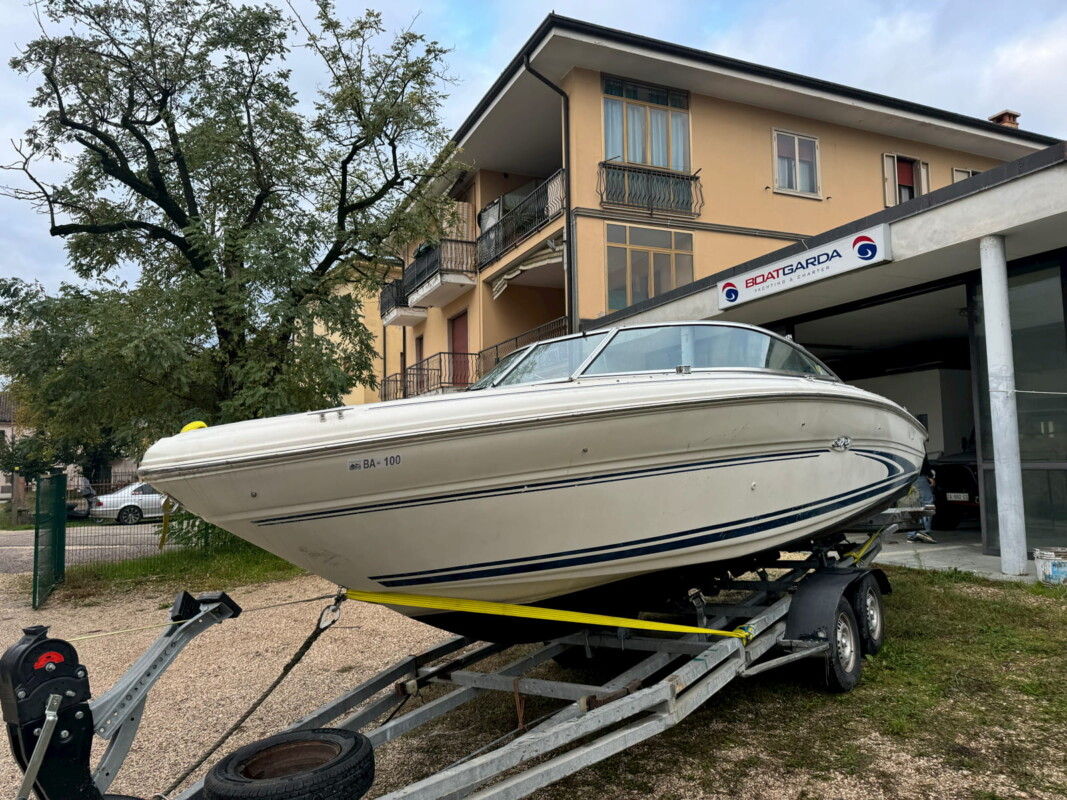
(192, 426)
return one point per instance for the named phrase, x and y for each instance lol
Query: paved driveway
(85, 544)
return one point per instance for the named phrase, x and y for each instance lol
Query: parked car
(129, 505)
(956, 489)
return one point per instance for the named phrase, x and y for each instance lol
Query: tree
(258, 219)
(26, 456)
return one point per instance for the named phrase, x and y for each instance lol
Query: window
(646, 125)
(796, 160)
(963, 174)
(905, 178)
(663, 349)
(645, 262)
(553, 361)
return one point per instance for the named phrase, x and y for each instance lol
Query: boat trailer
(826, 605)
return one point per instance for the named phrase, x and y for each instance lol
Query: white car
(129, 505)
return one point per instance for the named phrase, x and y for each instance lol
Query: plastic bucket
(1051, 565)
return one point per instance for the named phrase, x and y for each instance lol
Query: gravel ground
(221, 672)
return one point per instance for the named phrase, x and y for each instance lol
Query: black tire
(320, 764)
(870, 614)
(129, 515)
(844, 662)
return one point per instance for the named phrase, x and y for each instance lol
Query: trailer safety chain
(326, 619)
(535, 612)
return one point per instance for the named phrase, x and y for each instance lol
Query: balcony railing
(490, 356)
(439, 372)
(537, 209)
(392, 296)
(450, 255)
(649, 189)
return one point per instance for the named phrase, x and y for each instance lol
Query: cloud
(974, 58)
(971, 56)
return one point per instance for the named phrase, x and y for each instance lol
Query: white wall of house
(943, 395)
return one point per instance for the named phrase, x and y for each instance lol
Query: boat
(575, 468)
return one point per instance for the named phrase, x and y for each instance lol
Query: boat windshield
(556, 360)
(700, 347)
(501, 367)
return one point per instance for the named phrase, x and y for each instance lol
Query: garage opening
(916, 351)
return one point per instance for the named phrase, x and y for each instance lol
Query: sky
(974, 57)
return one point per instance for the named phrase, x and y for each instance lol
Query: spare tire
(320, 764)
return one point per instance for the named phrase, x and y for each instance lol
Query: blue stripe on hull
(659, 544)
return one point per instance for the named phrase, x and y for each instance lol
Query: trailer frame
(677, 676)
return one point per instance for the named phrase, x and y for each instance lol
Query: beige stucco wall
(732, 147)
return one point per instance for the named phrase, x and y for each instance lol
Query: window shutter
(889, 170)
(924, 178)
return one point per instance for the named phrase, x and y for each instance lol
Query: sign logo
(860, 249)
(865, 248)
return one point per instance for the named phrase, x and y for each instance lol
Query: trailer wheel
(870, 614)
(320, 764)
(844, 662)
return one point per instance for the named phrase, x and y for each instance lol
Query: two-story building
(616, 178)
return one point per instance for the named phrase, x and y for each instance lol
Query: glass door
(1039, 346)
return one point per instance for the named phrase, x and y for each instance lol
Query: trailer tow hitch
(44, 697)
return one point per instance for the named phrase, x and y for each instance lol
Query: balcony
(536, 210)
(649, 189)
(490, 356)
(438, 276)
(394, 308)
(440, 373)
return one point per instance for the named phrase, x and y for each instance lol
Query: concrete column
(1003, 414)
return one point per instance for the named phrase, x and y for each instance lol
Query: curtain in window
(806, 166)
(612, 130)
(787, 155)
(679, 141)
(658, 139)
(636, 134)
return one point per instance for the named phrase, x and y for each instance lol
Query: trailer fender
(883, 580)
(814, 604)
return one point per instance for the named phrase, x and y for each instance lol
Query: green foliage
(26, 456)
(190, 531)
(259, 220)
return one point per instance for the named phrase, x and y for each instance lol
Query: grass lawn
(171, 571)
(968, 699)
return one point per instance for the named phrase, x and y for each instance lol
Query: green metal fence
(49, 536)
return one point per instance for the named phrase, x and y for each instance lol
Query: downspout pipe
(573, 322)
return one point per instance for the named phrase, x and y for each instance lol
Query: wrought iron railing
(538, 208)
(392, 296)
(650, 189)
(439, 372)
(392, 387)
(450, 255)
(490, 356)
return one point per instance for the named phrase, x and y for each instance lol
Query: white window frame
(962, 174)
(889, 177)
(817, 194)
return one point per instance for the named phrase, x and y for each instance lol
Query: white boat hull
(527, 495)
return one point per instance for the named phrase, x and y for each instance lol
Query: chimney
(1007, 118)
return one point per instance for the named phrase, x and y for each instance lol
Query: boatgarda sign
(863, 249)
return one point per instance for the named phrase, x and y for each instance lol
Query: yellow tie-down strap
(534, 612)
